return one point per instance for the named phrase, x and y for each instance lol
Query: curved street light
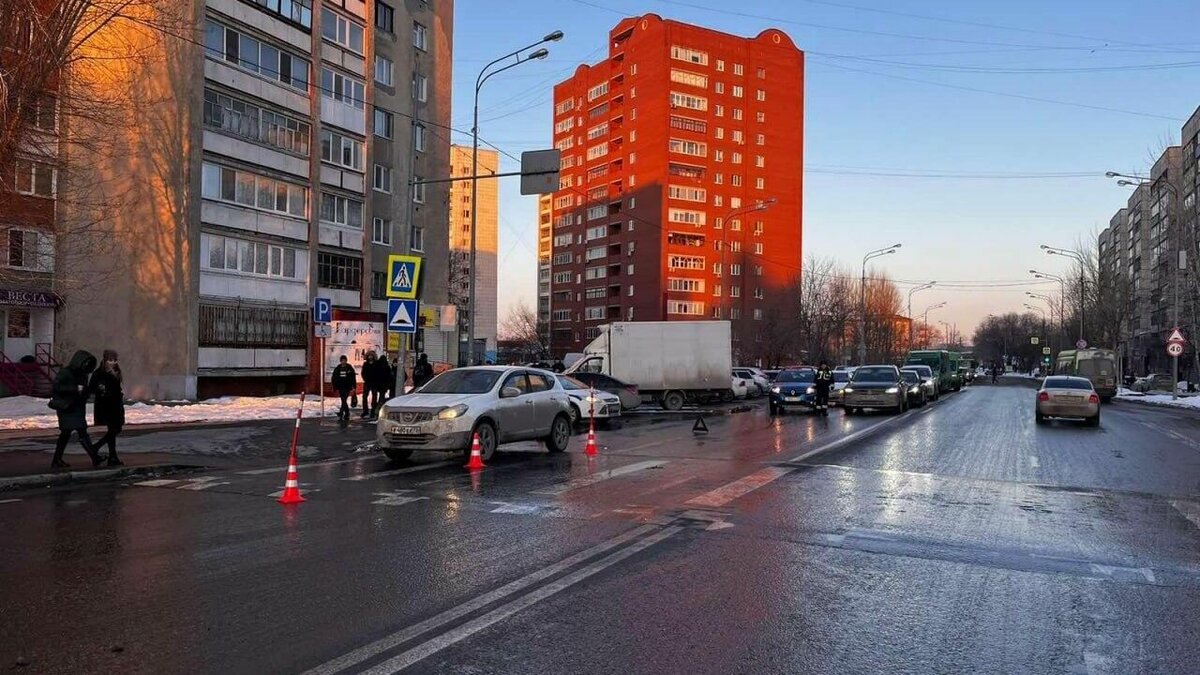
(862, 301)
(922, 287)
(925, 320)
(484, 74)
(1074, 255)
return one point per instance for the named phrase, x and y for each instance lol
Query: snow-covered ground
(26, 412)
(1191, 401)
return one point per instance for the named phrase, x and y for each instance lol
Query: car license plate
(408, 430)
(791, 399)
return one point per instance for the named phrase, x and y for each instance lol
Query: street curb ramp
(96, 476)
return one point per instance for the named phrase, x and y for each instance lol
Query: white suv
(501, 404)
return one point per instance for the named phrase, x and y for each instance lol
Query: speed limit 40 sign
(1175, 349)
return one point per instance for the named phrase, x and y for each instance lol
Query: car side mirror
(510, 392)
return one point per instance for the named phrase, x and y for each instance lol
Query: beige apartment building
(487, 245)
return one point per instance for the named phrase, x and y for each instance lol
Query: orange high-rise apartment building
(682, 181)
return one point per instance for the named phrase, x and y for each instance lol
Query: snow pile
(1184, 401)
(26, 412)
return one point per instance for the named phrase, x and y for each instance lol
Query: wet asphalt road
(957, 538)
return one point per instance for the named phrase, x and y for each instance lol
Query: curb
(1152, 404)
(52, 479)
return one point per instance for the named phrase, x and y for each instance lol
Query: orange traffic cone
(590, 449)
(291, 488)
(476, 460)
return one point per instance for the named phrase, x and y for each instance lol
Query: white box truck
(671, 362)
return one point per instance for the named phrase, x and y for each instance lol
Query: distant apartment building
(263, 165)
(668, 145)
(487, 245)
(544, 218)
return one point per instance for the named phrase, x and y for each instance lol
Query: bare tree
(521, 329)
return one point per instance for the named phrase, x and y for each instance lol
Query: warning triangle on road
(1176, 336)
(699, 427)
(401, 317)
(402, 280)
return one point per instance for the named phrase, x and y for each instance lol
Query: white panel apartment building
(269, 164)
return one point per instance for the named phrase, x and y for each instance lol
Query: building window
(597, 91)
(383, 178)
(299, 11)
(45, 113)
(597, 131)
(36, 178)
(341, 31)
(758, 248)
(720, 66)
(719, 133)
(341, 150)
(384, 72)
(690, 55)
(689, 78)
(250, 326)
(738, 69)
(339, 271)
(760, 116)
(383, 123)
(251, 122)
(719, 110)
(686, 217)
(381, 231)
(342, 88)
(339, 210)
(593, 313)
(736, 180)
(242, 256)
(31, 250)
(737, 114)
(760, 139)
(758, 314)
(598, 150)
(419, 138)
(760, 183)
(686, 308)
(761, 73)
(222, 183)
(736, 158)
(760, 95)
(735, 269)
(385, 17)
(690, 194)
(759, 161)
(595, 253)
(18, 323)
(735, 291)
(758, 293)
(693, 148)
(685, 262)
(738, 91)
(378, 285)
(681, 285)
(416, 238)
(688, 101)
(597, 212)
(418, 189)
(719, 88)
(718, 155)
(738, 137)
(420, 87)
(595, 273)
(255, 56)
(420, 36)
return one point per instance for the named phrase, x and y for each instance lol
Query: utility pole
(862, 301)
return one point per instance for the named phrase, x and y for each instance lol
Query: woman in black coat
(69, 399)
(110, 404)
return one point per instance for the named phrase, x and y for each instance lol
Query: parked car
(628, 393)
(503, 404)
(966, 374)
(771, 373)
(793, 387)
(1067, 396)
(757, 376)
(877, 386)
(740, 386)
(914, 388)
(932, 387)
(1153, 382)
(588, 403)
(841, 378)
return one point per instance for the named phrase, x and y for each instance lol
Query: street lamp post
(925, 320)
(910, 315)
(1142, 180)
(1082, 265)
(484, 74)
(1041, 311)
(1062, 299)
(862, 302)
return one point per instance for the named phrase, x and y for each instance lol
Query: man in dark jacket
(344, 380)
(69, 399)
(422, 371)
(109, 409)
(369, 379)
(823, 384)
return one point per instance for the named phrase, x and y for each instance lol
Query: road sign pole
(321, 380)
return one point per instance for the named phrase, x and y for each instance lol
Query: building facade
(544, 252)
(263, 167)
(681, 185)
(487, 245)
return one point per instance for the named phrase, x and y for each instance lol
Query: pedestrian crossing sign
(402, 316)
(404, 274)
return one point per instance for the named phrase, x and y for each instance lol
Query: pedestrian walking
(109, 408)
(393, 371)
(369, 379)
(344, 380)
(383, 382)
(69, 397)
(422, 371)
(823, 384)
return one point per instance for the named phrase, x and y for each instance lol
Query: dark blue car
(793, 387)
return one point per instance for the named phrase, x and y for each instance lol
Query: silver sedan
(1063, 396)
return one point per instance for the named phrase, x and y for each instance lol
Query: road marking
(396, 498)
(158, 482)
(1034, 461)
(310, 465)
(1114, 571)
(585, 481)
(453, 614)
(397, 472)
(731, 491)
(848, 439)
(1191, 511)
(8, 501)
(1184, 439)
(434, 645)
(203, 483)
(516, 509)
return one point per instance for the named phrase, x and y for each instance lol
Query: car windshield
(1066, 383)
(797, 376)
(841, 376)
(462, 381)
(875, 374)
(910, 376)
(571, 384)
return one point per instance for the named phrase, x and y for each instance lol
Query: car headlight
(452, 412)
(893, 390)
(811, 390)
(775, 389)
(916, 389)
(591, 399)
(847, 390)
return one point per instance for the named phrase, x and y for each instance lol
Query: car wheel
(672, 401)
(1039, 418)
(487, 440)
(560, 434)
(1094, 420)
(849, 410)
(398, 454)
(574, 414)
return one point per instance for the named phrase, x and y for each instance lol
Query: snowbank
(26, 412)
(1184, 401)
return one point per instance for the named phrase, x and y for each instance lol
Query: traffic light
(1046, 360)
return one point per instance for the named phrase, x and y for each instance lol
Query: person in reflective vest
(823, 385)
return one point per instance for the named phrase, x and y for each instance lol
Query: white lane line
(203, 484)
(434, 645)
(311, 465)
(9, 501)
(731, 491)
(397, 472)
(1034, 461)
(848, 439)
(396, 498)
(1189, 510)
(453, 614)
(585, 481)
(158, 482)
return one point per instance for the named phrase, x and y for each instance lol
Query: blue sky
(898, 88)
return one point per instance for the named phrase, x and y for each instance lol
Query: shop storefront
(27, 321)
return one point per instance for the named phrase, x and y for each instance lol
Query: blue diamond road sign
(402, 316)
